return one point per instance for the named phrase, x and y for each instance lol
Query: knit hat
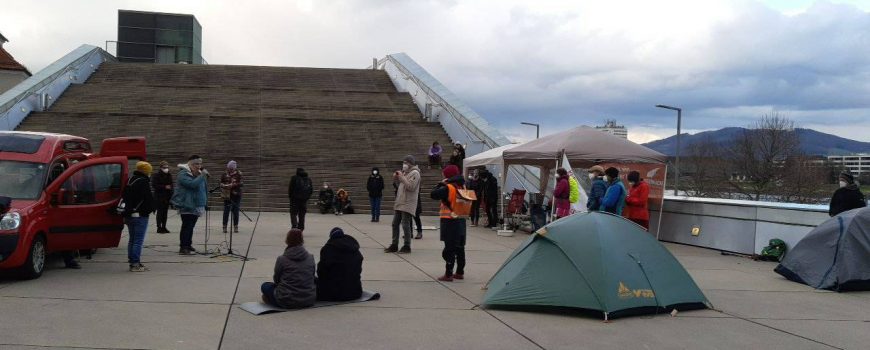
(294, 237)
(410, 160)
(847, 177)
(450, 171)
(336, 232)
(596, 169)
(232, 165)
(144, 167)
(164, 164)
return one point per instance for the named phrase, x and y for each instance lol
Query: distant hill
(812, 142)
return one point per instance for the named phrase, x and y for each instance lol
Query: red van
(56, 195)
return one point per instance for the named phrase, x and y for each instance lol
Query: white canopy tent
(490, 157)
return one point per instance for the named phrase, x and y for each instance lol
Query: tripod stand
(232, 205)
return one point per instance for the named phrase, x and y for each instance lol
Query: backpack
(304, 188)
(574, 193)
(774, 251)
(461, 208)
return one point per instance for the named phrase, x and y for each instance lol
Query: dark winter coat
(137, 195)
(375, 185)
(596, 194)
(490, 189)
(339, 270)
(300, 188)
(451, 229)
(845, 199)
(326, 196)
(159, 181)
(294, 278)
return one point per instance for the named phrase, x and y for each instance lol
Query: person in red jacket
(562, 194)
(636, 207)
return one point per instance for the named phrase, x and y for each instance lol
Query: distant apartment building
(11, 72)
(610, 127)
(858, 164)
(154, 37)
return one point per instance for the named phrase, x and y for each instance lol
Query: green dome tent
(596, 261)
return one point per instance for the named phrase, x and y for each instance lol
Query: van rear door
(81, 205)
(130, 147)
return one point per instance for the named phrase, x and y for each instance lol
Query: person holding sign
(455, 207)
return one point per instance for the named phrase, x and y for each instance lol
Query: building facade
(154, 37)
(11, 72)
(612, 128)
(857, 164)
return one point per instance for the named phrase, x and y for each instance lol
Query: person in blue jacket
(614, 198)
(598, 188)
(190, 198)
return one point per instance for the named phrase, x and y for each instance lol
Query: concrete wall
(10, 78)
(736, 226)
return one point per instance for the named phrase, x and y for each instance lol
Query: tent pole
(662, 204)
(504, 229)
(555, 183)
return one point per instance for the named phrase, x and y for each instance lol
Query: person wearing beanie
(161, 184)
(453, 230)
(299, 191)
(847, 197)
(190, 198)
(231, 193)
(138, 204)
(598, 188)
(614, 198)
(637, 202)
(407, 182)
(375, 187)
(339, 270)
(293, 283)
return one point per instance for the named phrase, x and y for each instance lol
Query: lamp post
(677, 165)
(537, 128)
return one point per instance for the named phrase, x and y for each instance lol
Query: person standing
(405, 206)
(231, 193)
(375, 187)
(417, 220)
(847, 197)
(598, 188)
(190, 198)
(637, 202)
(473, 184)
(453, 231)
(490, 199)
(162, 184)
(293, 284)
(614, 198)
(435, 155)
(138, 204)
(458, 155)
(299, 192)
(562, 193)
(339, 269)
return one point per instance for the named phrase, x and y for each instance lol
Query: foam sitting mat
(259, 308)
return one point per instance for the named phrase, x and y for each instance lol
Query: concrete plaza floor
(191, 302)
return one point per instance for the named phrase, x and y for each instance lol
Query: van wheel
(35, 263)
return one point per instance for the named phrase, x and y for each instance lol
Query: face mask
(843, 184)
(405, 167)
(374, 172)
(164, 170)
(591, 176)
(325, 187)
(607, 178)
(631, 183)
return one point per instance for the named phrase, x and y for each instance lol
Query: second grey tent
(835, 255)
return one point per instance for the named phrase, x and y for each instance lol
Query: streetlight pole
(677, 165)
(537, 129)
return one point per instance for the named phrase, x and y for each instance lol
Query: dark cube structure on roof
(153, 37)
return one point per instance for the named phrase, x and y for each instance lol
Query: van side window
(94, 184)
(56, 170)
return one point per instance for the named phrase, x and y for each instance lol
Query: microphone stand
(233, 204)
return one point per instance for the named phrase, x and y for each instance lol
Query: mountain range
(812, 142)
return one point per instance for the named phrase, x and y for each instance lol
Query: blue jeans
(268, 290)
(375, 203)
(137, 228)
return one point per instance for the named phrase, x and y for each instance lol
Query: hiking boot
(225, 229)
(191, 249)
(405, 250)
(458, 276)
(138, 268)
(446, 278)
(419, 235)
(185, 251)
(391, 249)
(72, 264)
(235, 229)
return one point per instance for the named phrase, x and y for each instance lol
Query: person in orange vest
(636, 204)
(453, 212)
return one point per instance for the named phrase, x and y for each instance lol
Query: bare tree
(704, 170)
(760, 155)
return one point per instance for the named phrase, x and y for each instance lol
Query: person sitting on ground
(342, 203)
(293, 285)
(598, 188)
(339, 270)
(614, 198)
(325, 198)
(435, 155)
(847, 197)
(636, 204)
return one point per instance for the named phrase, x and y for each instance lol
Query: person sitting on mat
(294, 284)
(340, 268)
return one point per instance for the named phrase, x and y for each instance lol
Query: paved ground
(191, 302)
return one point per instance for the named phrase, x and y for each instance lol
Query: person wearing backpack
(636, 204)
(614, 198)
(454, 209)
(299, 191)
(138, 204)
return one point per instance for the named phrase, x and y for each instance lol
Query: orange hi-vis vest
(460, 205)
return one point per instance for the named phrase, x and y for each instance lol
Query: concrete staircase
(335, 123)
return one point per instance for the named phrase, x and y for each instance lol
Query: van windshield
(21, 180)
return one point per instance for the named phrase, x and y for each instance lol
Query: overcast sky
(558, 63)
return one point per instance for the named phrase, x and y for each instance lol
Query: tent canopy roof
(584, 146)
(490, 157)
